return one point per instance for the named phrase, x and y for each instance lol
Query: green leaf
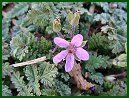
(5, 50)
(103, 17)
(40, 16)
(48, 73)
(117, 90)
(65, 76)
(63, 89)
(96, 62)
(19, 83)
(49, 92)
(16, 30)
(20, 45)
(98, 41)
(97, 77)
(32, 75)
(104, 5)
(117, 47)
(6, 69)
(18, 10)
(45, 45)
(5, 29)
(6, 91)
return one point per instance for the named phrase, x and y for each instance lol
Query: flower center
(71, 49)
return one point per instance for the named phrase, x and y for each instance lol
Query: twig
(30, 62)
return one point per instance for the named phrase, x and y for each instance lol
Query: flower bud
(70, 16)
(75, 20)
(110, 78)
(56, 25)
(114, 5)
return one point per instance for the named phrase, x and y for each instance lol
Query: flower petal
(77, 40)
(69, 62)
(60, 56)
(61, 42)
(82, 54)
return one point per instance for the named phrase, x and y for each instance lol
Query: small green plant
(64, 48)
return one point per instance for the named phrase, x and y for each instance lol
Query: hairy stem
(60, 35)
(80, 81)
(55, 49)
(73, 31)
(120, 74)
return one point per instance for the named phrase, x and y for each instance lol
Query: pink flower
(72, 52)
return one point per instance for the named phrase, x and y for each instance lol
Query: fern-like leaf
(48, 73)
(97, 41)
(5, 29)
(97, 62)
(20, 43)
(19, 83)
(18, 10)
(63, 89)
(45, 45)
(97, 77)
(6, 69)
(6, 91)
(103, 17)
(5, 50)
(49, 92)
(31, 73)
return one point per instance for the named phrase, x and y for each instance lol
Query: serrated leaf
(117, 47)
(5, 29)
(98, 41)
(65, 76)
(6, 91)
(97, 77)
(18, 10)
(40, 17)
(20, 45)
(48, 73)
(96, 62)
(19, 83)
(63, 89)
(49, 92)
(5, 50)
(32, 75)
(103, 17)
(6, 69)
(104, 5)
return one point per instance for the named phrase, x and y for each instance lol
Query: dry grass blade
(30, 62)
